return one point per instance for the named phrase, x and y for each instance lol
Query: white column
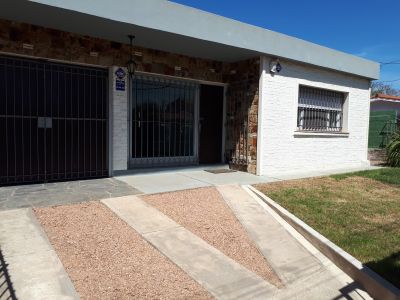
(260, 142)
(119, 132)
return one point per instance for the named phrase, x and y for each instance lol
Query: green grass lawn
(360, 212)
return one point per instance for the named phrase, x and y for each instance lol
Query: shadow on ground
(7, 291)
(388, 268)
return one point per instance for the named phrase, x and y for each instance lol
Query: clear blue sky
(367, 28)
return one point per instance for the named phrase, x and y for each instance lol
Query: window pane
(162, 118)
(320, 110)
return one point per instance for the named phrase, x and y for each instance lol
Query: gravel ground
(107, 259)
(204, 212)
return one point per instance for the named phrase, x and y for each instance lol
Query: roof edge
(176, 18)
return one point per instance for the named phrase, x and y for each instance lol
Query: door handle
(44, 122)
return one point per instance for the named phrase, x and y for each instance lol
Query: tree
(378, 87)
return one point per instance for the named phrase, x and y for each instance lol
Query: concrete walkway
(154, 181)
(169, 180)
(30, 267)
(306, 274)
(220, 275)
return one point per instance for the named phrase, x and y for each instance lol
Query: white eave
(167, 26)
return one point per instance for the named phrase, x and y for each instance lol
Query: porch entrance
(174, 122)
(211, 116)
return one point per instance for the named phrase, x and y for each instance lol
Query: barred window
(320, 110)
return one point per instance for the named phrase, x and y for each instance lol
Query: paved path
(305, 276)
(30, 268)
(168, 179)
(220, 275)
(61, 193)
(161, 182)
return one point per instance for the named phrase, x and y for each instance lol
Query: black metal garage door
(53, 121)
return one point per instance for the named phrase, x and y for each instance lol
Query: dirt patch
(205, 213)
(107, 259)
(351, 187)
(382, 219)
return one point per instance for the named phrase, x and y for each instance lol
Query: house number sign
(120, 82)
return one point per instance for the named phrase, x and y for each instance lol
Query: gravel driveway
(106, 259)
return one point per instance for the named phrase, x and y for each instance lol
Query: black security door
(53, 121)
(211, 114)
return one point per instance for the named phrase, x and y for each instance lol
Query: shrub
(393, 151)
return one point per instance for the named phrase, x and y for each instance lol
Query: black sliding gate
(53, 121)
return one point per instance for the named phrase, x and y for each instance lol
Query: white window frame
(313, 105)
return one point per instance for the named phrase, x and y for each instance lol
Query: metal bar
(14, 129)
(51, 115)
(71, 123)
(164, 106)
(30, 121)
(184, 121)
(153, 98)
(58, 125)
(159, 103)
(65, 124)
(147, 124)
(45, 129)
(6, 121)
(169, 120)
(102, 125)
(78, 101)
(180, 121)
(175, 121)
(90, 128)
(84, 123)
(37, 127)
(190, 133)
(96, 113)
(22, 126)
(140, 124)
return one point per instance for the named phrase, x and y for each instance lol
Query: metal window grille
(320, 110)
(163, 121)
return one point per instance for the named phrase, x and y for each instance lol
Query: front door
(211, 115)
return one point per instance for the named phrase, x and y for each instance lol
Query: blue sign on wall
(120, 80)
(120, 73)
(120, 84)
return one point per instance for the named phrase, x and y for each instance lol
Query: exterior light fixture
(131, 64)
(275, 66)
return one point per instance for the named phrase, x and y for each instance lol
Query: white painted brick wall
(119, 124)
(281, 151)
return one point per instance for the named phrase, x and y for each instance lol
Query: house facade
(219, 91)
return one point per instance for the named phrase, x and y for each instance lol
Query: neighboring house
(207, 89)
(382, 102)
(384, 119)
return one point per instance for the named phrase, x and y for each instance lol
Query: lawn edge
(373, 283)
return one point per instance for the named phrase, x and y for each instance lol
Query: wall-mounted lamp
(131, 64)
(275, 66)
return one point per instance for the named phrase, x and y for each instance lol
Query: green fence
(382, 125)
